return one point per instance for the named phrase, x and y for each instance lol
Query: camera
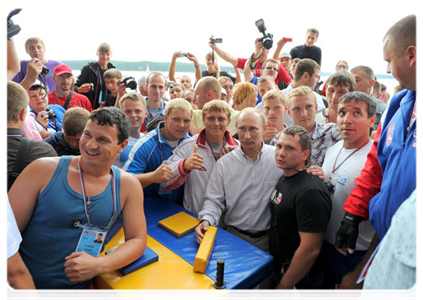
(170, 84)
(216, 40)
(267, 39)
(92, 87)
(44, 71)
(50, 113)
(130, 82)
(183, 54)
(12, 28)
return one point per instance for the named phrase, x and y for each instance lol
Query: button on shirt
(240, 188)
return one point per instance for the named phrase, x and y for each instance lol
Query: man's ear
(411, 53)
(22, 114)
(123, 146)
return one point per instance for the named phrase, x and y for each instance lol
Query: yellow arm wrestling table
(245, 264)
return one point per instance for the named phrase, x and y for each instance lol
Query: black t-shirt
(298, 203)
(110, 100)
(303, 51)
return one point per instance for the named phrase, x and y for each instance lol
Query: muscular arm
(80, 266)
(303, 259)
(18, 275)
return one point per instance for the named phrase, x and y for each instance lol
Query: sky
(154, 30)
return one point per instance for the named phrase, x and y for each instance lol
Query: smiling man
(133, 105)
(146, 157)
(193, 161)
(58, 200)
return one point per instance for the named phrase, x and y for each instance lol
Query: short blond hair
(216, 105)
(74, 120)
(33, 40)
(134, 97)
(275, 94)
(301, 91)
(178, 103)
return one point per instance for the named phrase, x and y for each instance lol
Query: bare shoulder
(129, 185)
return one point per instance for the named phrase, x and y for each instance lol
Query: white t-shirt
(342, 182)
(121, 157)
(13, 235)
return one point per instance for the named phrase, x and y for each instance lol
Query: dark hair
(305, 139)
(342, 78)
(111, 116)
(305, 65)
(360, 97)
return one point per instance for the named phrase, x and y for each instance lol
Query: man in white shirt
(240, 185)
(342, 165)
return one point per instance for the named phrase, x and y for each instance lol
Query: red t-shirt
(77, 100)
(282, 74)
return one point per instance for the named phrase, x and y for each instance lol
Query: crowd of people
(313, 176)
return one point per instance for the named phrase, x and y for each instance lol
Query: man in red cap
(64, 94)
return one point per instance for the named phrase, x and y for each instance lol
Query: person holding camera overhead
(35, 48)
(91, 81)
(213, 67)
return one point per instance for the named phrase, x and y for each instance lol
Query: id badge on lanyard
(91, 240)
(92, 237)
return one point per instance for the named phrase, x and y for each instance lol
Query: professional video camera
(267, 39)
(12, 28)
(130, 82)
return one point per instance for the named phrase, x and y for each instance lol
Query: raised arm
(194, 59)
(223, 54)
(13, 63)
(172, 66)
(281, 43)
(251, 64)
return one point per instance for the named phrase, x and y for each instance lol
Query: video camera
(12, 28)
(216, 40)
(267, 39)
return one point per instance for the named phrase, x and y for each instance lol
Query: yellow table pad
(170, 272)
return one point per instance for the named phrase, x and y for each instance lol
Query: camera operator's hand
(120, 93)
(212, 45)
(42, 119)
(33, 69)
(258, 48)
(85, 88)
(192, 58)
(281, 43)
(176, 55)
(347, 234)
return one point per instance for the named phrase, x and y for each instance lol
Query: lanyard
(86, 203)
(351, 154)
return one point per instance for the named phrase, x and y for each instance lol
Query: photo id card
(91, 240)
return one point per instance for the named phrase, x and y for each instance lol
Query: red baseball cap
(62, 69)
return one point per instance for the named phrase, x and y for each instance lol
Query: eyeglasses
(274, 69)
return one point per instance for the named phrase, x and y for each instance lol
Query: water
(389, 82)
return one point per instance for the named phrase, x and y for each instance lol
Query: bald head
(208, 88)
